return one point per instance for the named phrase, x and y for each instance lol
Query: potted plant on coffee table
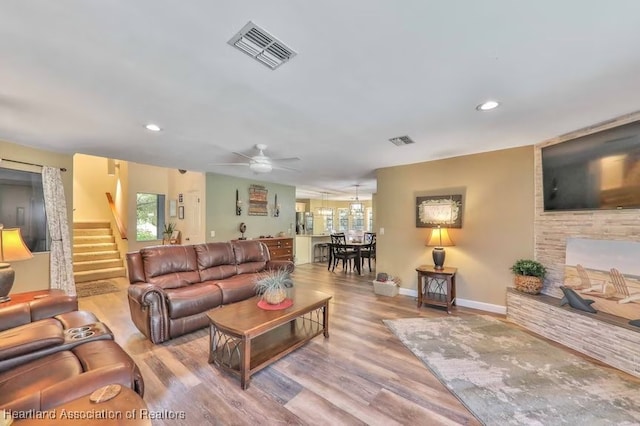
(273, 286)
(529, 275)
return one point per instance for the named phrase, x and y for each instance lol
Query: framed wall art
(439, 210)
(257, 201)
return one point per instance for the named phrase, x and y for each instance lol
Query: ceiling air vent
(262, 46)
(401, 140)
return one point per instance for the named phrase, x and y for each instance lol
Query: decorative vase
(274, 297)
(528, 284)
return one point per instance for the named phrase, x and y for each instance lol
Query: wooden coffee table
(246, 338)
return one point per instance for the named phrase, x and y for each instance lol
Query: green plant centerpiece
(529, 275)
(272, 285)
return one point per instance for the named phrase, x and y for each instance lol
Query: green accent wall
(220, 209)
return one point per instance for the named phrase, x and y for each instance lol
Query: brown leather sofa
(51, 353)
(173, 287)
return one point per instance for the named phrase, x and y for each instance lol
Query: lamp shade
(439, 238)
(12, 246)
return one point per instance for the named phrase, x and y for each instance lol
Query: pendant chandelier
(324, 210)
(356, 207)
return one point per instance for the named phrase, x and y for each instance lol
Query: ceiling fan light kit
(261, 167)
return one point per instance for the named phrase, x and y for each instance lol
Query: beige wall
(33, 274)
(90, 184)
(221, 218)
(192, 227)
(497, 228)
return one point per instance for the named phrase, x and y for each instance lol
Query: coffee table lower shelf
(244, 355)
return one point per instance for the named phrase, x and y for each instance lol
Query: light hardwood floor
(361, 374)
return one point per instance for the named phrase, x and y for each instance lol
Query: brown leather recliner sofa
(51, 353)
(173, 287)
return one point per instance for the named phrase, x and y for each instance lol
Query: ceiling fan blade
(243, 155)
(278, 167)
(286, 159)
(230, 164)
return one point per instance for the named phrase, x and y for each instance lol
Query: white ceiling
(86, 76)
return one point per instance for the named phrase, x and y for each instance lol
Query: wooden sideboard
(280, 248)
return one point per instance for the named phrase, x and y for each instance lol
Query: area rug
(95, 288)
(506, 376)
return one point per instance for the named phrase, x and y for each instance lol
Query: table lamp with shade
(12, 247)
(439, 239)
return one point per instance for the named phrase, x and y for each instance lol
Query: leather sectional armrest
(148, 306)
(145, 294)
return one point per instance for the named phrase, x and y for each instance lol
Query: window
(343, 220)
(22, 206)
(358, 222)
(328, 224)
(150, 216)
(370, 219)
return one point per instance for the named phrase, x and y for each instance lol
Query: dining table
(356, 246)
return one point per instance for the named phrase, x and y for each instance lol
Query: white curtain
(56, 208)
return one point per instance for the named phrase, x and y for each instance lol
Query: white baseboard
(488, 307)
(408, 292)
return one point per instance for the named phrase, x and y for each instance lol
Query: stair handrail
(121, 229)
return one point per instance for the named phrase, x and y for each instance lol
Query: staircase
(95, 254)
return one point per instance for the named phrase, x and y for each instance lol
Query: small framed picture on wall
(181, 212)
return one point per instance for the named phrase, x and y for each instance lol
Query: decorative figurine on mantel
(575, 301)
(242, 228)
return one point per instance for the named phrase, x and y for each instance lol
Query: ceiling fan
(260, 163)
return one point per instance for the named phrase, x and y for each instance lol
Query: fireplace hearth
(605, 337)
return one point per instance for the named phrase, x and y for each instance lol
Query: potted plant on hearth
(529, 275)
(273, 285)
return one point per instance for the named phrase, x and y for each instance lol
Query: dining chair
(369, 251)
(341, 252)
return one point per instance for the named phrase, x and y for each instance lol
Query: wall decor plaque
(258, 201)
(439, 210)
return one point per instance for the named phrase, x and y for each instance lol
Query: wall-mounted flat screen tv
(597, 171)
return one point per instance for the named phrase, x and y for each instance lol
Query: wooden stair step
(84, 248)
(93, 239)
(92, 265)
(99, 255)
(92, 232)
(100, 274)
(89, 225)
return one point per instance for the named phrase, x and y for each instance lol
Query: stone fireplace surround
(601, 336)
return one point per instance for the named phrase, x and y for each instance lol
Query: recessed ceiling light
(153, 127)
(489, 105)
